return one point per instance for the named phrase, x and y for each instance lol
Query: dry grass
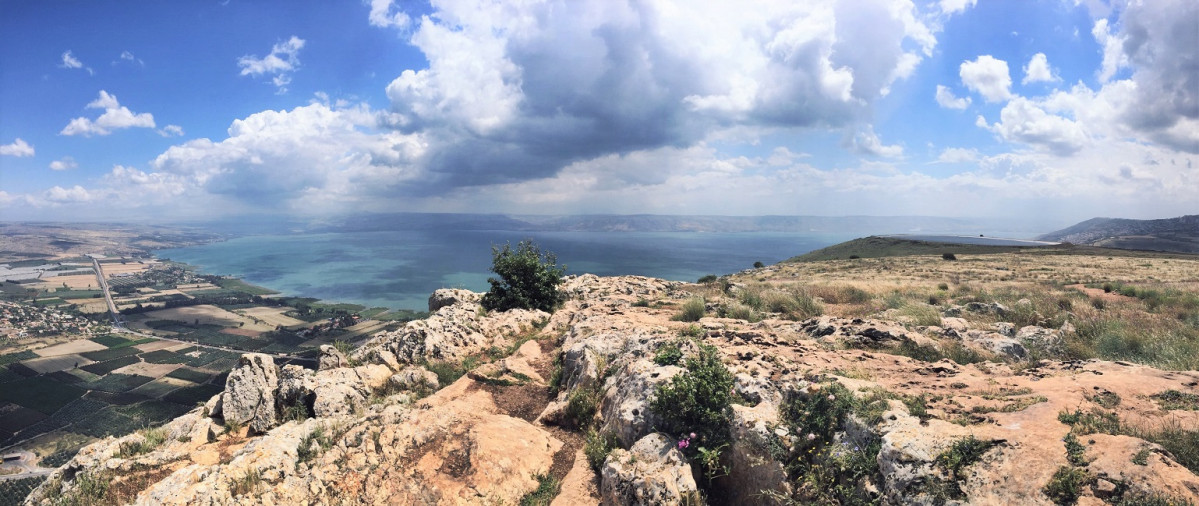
(1157, 326)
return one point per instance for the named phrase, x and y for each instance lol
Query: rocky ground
(572, 408)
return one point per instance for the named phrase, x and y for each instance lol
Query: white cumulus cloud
(956, 6)
(115, 117)
(171, 131)
(66, 163)
(1025, 121)
(1038, 70)
(279, 63)
(866, 142)
(988, 76)
(385, 14)
(958, 155)
(946, 99)
(18, 148)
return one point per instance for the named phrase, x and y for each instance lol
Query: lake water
(400, 269)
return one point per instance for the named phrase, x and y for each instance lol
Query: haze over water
(399, 269)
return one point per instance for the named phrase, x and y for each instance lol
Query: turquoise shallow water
(400, 269)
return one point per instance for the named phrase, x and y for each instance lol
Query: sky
(1049, 110)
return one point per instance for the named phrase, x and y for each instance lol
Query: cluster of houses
(23, 320)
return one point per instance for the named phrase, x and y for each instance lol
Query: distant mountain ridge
(1179, 234)
(840, 225)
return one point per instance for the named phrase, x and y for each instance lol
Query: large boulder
(249, 396)
(653, 471)
(625, 408)
(331, 358)
(450, 296)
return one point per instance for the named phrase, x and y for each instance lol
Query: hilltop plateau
(1005, 378)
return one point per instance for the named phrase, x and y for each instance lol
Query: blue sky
(1054, 111)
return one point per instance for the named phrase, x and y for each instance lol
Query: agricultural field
(52, 407)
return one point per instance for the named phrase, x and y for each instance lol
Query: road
(24, 460)
(118, 324)
(112, 307)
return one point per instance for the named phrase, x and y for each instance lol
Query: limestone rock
(450, 296)
(413, 378)
(997, 343)
(624, 410)
(249, 396)
(653, 471)
(752, 470)
(331, 358)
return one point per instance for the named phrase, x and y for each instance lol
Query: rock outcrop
(550, 394)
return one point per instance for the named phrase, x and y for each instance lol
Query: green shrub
(710, 278)
(597, 446)
(152, 438)
(1175, 400)
(668, 354)
(948, 256)
(544, 494)
(581, 405)
(528, 279)
(699, 401)
(1066, 485)
(692, 331)
(693, 309)
(962, 454)
(1076, 453)
(739, 311)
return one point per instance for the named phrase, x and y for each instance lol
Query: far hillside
(879, 247)
(1179, 235)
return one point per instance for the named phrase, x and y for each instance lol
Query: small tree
(529, 279)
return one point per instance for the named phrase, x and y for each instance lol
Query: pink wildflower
(683, 444)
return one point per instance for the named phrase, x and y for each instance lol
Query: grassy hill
(879, 247)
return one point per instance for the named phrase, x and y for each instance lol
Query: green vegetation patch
(191, 375)
(528, 279)
(1175, 400)
(17, 418)
(878, 247)
(155, 388)
(189, 396)
(102, 368)
(40, 393)
(112, 341)
(243, 287)
(110, 353)
(164, 357)
(17, 357)
(13, 492)
(544, 494)
(7, 376)
(118, 383)
(104, 423)
(121, 399)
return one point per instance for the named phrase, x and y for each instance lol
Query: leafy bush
(710, 278)
(528, 279)
(1066, 485)
(1076, 453)
(581, 405)
(697, 401)
(948, 256)
(668, 354)
(544, 494)
(739, 311)
(693, 309)
(597, 447)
